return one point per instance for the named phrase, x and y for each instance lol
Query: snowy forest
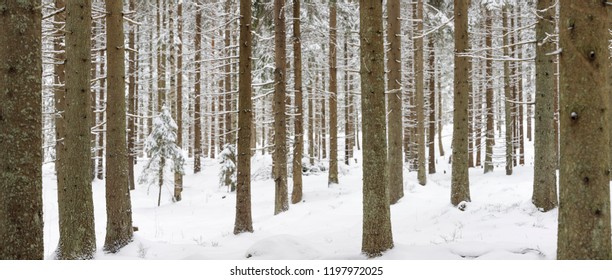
(305, 129)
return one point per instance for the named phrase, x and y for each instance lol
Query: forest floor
(499, 223)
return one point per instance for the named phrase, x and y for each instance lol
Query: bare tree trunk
(244, 222)
(281, 201)
(197, 115)
(298, 148)
(420, 96)
(178, 177)
(544, 173)
(431, 142)
(377, 236)
(395, 165)
(311, 119)
(229, 134)
(490, 132)
(132, 94)
(460, 186)
(75, 202)
(507, 93)
(118, 205)
(333, 94)
(21, 209)
(584, 177)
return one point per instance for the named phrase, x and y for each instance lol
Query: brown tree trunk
(507, 93)
(118, 205)
(395, 165)
(311, 119)
(21, 209)
(178, 177)
(431, 139)
(281, 200)
(197, 116)
(490, 132)
(377, 236)
(333, 94)
(544, 173)
(460, 186)
(420, 97)
(584, 177)
(244, 222)
(132, 94)
(75, 202)
(298, 148)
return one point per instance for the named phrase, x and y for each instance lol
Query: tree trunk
(544, 173)
(584, 186)
(75, 202)
(333, 94)
(377, 236)
(21, 209)
(118, 205)
(132, 87)
(431, 141)
(311, 119)
(490, 133)
(229, 134)
(460, 186)
(298, 148)
(395, 165)
(244, 222)
(508, 93)
(178, 177)
(197, 116)
(281, 200)
(420, 96)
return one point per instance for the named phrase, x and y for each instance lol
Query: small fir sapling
(227, 173)
(164, 156)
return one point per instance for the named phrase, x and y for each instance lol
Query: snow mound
(282, 247)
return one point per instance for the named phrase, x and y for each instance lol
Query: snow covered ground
(499, 223)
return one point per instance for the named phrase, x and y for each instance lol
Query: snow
(499, 223)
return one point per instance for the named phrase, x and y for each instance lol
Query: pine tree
(377, 236)
(227, 174)
(584, 175)
(544, 170)
(21, 209)
(333, 94)
(420, 97)
(244, 221)
(119, 230)
(163, 152)
(76, 213)
(281, 200)
(394, 102)
(460, 186)
(298, 147)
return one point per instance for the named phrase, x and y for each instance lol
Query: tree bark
(132, 95)
(244, 222)
(490, 132)
(584, 185)
(544, 173)
(333, 94)
(197, 116)
(507, 93)
(394, 102)
(431, 138)
(460, 186)
(21, 217)
(298, 148)
(281, 201)
(118, 205)
(75, 202)
(377, 236)
(420, 97)
(178, 177)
